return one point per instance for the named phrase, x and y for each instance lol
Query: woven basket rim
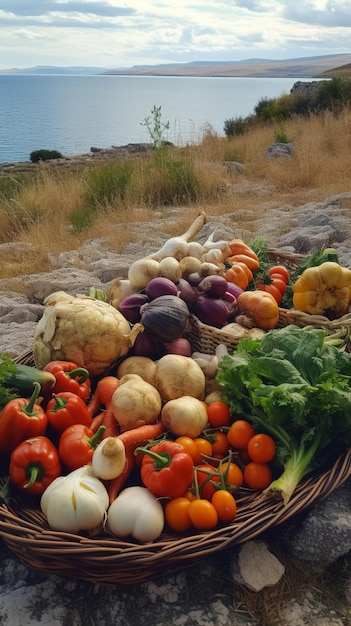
(106, 560)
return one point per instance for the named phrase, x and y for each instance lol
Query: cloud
(41, 9)
(329, 13)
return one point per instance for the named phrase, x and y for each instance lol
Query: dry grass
(50, 210)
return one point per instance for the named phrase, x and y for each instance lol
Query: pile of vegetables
(123, 428)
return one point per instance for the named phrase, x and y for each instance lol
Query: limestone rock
(257, 566)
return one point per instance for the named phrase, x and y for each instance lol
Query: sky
(121, 34)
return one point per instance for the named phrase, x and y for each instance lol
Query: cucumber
(24, 376)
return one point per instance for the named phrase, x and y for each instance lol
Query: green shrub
(44, 155)
(108, 183)
(80, 220)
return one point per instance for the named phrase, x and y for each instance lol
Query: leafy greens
(297, 387)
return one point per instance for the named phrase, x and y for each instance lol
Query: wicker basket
(105, 560)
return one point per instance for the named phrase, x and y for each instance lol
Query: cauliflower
(90, 332)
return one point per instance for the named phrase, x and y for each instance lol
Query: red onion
(179, 346)
(229, 297)
(187, 292)
(211, 311)
(234, 289)
(165, 317)
(214, 286)
(130, 307)
(160, 286)
(146, 345)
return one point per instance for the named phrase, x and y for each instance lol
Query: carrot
(103, 393)
(132, 439)
(110, 423)
(97, 421)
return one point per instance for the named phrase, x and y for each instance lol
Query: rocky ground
(297, 574)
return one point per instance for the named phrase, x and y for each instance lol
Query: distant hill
(307, 67)
(304, 67)
(344, 71)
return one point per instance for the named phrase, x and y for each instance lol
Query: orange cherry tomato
(190, 447)
(240, 433)
(281, 270)
(225, 505)
(220, 445)
(262, 448)
(239, 274)
(177, 514)
(234, 475)
(203, 514)
(257, 475)
(203, 447)
(218, 414)
(202, 475)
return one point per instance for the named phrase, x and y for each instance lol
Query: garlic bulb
(75, 502)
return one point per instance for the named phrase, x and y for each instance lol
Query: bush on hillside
(331, 95)
(44, 155)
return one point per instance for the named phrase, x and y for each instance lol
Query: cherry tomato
(177, 514)
(234, 475)
(203, 514)
(261, 448)
(225, 505)
(240, 434)
(203, 447)
(190, 447)
(257, 475)
(202, 472)
(220, 445)
(281, 270)
(218, 414)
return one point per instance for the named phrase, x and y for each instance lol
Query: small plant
(280, 135)
(80, 220)
(156, 127)
(108, 184)
(44, 155)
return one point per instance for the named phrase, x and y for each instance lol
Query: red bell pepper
(21, 418)
(166, 469)
(65, 409)
(77, 444)
(34, 464)
(70, 377)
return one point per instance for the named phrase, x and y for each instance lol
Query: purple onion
(130, 307)
(229, 297)
(214, 286)
(146, 345)
(180, 346)
(211, 311)
(187, 292)
(160, 286)
(234, 289)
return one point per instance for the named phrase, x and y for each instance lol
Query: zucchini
(24, 376)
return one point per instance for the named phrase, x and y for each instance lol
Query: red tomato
(281, 270)
(218, 414)
(220, 445)
(257, 475)
(240, 433)
(273, 289)
(202, 474)
(261, 448)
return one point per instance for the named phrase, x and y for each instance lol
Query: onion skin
(211, 311)
(130, 307)
(234, 289)
(165, 317)
(187, 292)
(146, 345)
(160, 286)
(179, 346)
(214, 286)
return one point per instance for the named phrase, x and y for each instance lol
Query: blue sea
(73, 113)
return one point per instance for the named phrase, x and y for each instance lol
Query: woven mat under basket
(105, 560)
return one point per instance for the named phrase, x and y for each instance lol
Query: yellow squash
(323, 290)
